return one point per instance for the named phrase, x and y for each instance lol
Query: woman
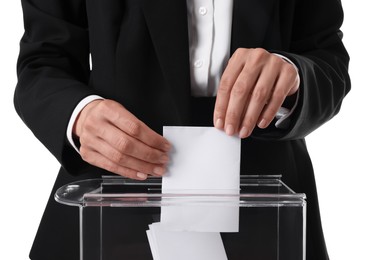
(167, 62)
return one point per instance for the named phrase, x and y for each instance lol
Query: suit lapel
(251, 21)
(167, 23)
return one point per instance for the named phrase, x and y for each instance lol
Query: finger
(130, 146)
(231, 73)
(99, 160)
(103, 148)
(239, 97)
(258, 99)
(118, 116)
(138, 130)
(286, 83)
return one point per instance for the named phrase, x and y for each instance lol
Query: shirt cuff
(283, 115)
(85, 101)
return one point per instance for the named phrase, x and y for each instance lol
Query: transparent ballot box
(128, 219)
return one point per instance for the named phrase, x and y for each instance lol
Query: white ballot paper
(170, 245)
(204, 161)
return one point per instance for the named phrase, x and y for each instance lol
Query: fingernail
(159, 171)
(230, 130)
(263, 123)
(219, 123)
(244, 132)
(141, 175)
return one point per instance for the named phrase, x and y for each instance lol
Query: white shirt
(209, 23)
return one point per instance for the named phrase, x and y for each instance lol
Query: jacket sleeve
(53, 72)
(317, 50)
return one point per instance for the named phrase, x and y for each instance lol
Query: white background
(340, 150)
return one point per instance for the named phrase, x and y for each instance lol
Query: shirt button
(203, 10)
(198, 63)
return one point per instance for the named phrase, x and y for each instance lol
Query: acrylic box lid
(116, 191)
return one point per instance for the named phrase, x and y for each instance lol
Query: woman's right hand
(113, 139)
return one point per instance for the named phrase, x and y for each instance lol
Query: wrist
(82, 116)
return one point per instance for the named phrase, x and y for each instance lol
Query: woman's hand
(114, 139)
(253, 87)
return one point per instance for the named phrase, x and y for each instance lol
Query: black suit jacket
(140, 58)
